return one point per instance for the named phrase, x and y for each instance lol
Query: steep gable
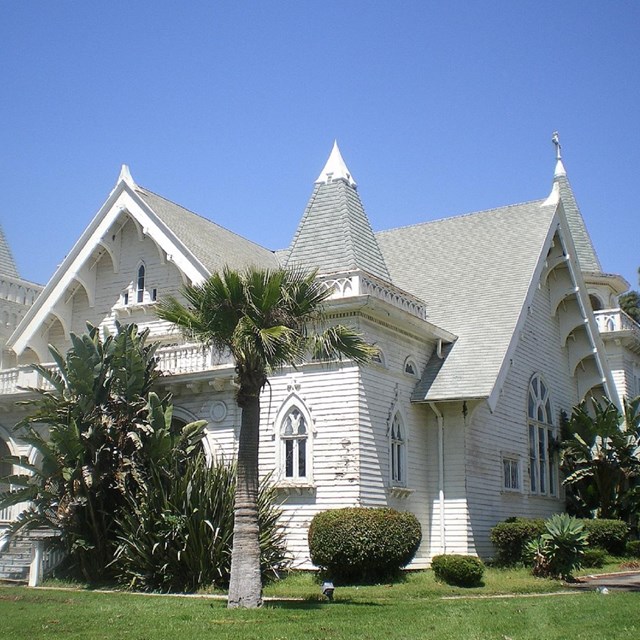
(196, 247)
(334, 234)
(585, 252)
(474, 272)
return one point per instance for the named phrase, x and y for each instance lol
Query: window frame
(292, 445)
(141, 283)
(513, 460)
(541, 432)
(397, 451)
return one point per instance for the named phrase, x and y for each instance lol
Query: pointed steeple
(334, 234)
(585, 252)
(7, 263)
(335, 169)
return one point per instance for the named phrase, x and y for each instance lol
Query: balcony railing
(616, 321)
(360, 283)
(172, 360)
(189, 358)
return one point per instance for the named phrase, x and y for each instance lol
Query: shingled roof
(7, 263)
(585, 252)
(213, 245)
(334, 234)
(474, 272)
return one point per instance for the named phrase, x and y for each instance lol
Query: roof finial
(335, 169)
(555, 138)
(125, 176)
(560, 170)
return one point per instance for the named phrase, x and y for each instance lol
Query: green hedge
(633, 548)
(510, 537)
(610, 535)
(361, 544)
(461, 571)
(593, 558)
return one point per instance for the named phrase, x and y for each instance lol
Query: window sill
(128, 309)
(295, 488)
(399, 492)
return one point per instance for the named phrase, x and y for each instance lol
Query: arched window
(410, 367)
(542, 464)
(379, 358)
(398, 452)
(294, 436)
(596, 303)
(140, 284)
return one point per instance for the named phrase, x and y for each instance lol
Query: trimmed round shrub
(593, 558)
(461, 571)
(633, 548)
(610, 535)
(511, 536)
(363, 544)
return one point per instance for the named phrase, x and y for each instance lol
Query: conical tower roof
(585, 252)
(7, 263)
(334, 234)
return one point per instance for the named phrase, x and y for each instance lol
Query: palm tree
(266, 319)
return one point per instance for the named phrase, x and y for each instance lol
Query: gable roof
(475, 272)
(334, 234)
(7, 263)
(197, 246)
(585, 252)
(214, 246)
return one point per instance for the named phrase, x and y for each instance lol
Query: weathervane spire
(560, 170)
(555, 138)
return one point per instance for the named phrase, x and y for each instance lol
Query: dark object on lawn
(327, 590)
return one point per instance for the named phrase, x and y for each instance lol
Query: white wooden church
(489, 325)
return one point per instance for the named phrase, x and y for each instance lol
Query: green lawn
(413, 608)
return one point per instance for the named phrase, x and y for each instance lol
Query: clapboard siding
(506, 432)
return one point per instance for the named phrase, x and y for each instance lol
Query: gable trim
(123, 200)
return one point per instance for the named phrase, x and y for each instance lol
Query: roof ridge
(462, 215)
(199, 215)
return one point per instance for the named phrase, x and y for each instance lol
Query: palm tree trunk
(245, 585)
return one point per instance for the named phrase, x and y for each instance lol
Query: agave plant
(558, 552)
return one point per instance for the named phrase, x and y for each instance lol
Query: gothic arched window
(398, 451)
(542, 465)
(294, 437)
(140, 284)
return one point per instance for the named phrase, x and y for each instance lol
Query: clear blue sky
(231, 108)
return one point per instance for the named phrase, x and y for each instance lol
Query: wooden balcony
(616, 324)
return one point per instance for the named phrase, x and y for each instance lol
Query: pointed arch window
(294, 439)
(140, 283)
(410, 367)
(398, 452)
(543, 476)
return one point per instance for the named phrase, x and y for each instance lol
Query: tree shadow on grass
(317, 604)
